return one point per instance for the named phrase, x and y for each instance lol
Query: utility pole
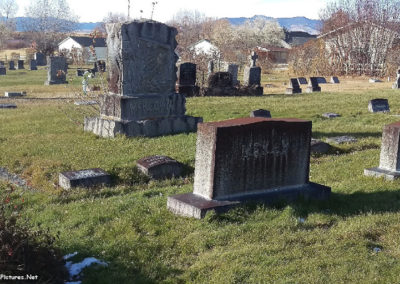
(129, 9)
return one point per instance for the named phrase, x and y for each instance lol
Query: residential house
(82, 45)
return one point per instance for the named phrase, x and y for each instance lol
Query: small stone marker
(32, 65)
(260, 113)
(40, 59)
(84, 178)
(335, 80)
(294, 87)
(187, 80)
(319, 147)
(20, 65)
(313, 85)
(11, 65)
(160, 167)
(330, 115)
(80, 72)
(321, 80)
(85, 103)
(342, 139)
(389, 164)
(3, 71)
(373, 80)
(249, 159)
(378, 105)
(302, 81)
(8, 106)
(14, 94)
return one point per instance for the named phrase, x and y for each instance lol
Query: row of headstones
(20, 65)
(313, 84)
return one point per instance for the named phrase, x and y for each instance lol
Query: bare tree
(8, 8)
(49, 21)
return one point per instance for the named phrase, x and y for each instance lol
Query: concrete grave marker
(302, 81)
(294, 87)
(20, 64)
(57, 70)
(260, 113)
(378, 105)
(14, 94)
(335, 80)
(84, 178)
(160, 167)
(8, 106)
(187, 80)
(249, 159)
(313, 85)
(330, 115)
(389, 164)
(11, 65)
(342, 139)
(141, 79)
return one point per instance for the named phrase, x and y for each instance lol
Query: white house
(82, 44)
(205, 47)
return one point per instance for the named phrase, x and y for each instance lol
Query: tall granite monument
(141, 79)
(249, 159)
(57, 69)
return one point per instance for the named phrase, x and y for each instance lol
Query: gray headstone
(249, 159)
(220, 80)
(80, 72)
(3, 71)
(253, 59)
(294, 87)
(335, 80)
(319, 147)
(313, 85)
(8, 106)
(20, 65)
(233, 69)
(141, 78)
(84, 178)
(330, 115)
(40, 59)
(260, 113)
(341, 139)
(14, 94)
(378, 105)
(57, 70)
(160, 167)
(11, 65)
(252, 76)
(302, 81)
(389, 164)
(32, 64)
(2, 63)
(321, 80)
(187, 74)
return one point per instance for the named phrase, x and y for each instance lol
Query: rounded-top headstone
(160, 167)
(260, 113)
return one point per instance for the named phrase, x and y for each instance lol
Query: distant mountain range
(301, 24)
(295, 24)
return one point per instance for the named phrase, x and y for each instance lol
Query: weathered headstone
(252, 74)
(249, 159)
(160, 167)
(321, 80)
(84, 178)
(319, 147)
(313, 85)
(260, 113)
(32, 64)
(141, 76)
(100, 66)
(294, 87)
(389, 164)
(3, 71)
(233, 69)
(187, 80)
(57, 70)
(330, 115)
(80, 72)
(335, 80)
(342, 139)
(11, 65)
(2, 63)
(14, 94)
(20, 64)
(8, 106)
(302, 81)
(220, 84)
(378, 105)
(40, 59)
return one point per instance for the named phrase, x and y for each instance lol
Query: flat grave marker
(160, 167)
(378, 105)
(84, 178)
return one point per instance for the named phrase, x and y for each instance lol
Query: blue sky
(96, 10)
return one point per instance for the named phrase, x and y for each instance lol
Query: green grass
(129, 226)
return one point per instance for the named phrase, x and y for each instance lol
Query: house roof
(86, 41)
(298, 38)
(356, 24)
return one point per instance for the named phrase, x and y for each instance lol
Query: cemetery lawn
(352, 238)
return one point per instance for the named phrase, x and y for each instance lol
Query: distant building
(82, 45)
(277, 54)
(298, 38)
(204, 46)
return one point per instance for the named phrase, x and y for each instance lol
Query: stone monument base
(378, 172)
(291, 91)
(106, 127)
(47, 83)
(313, 89)
(196, 206)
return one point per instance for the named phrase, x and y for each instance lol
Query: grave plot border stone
(84, 178)
(221, 182)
